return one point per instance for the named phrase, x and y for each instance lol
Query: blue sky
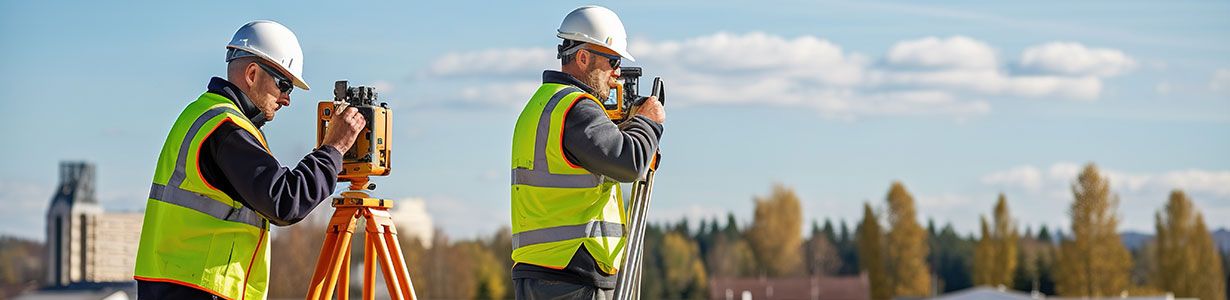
(959, 100)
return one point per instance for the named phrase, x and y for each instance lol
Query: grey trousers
(538, 289)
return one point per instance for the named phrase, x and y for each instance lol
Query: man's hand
(653, 110)
(343, 128)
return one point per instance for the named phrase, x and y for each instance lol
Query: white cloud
(995, 82)
(501, 94)
(1215, 183)
(1028, 177)
(1220, 81)
(757, 53)
(1069, 58)
(957, 52)
(515, 61)
(934, 76)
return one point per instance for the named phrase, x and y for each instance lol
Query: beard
(601, 81)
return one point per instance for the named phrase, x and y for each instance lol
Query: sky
(958, 100)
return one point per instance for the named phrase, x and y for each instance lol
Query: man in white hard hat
(217, 188)
(568, 158)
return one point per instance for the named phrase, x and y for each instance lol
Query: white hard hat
(273, 43)
(596, 25)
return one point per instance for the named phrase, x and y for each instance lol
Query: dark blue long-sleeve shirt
(233, 160)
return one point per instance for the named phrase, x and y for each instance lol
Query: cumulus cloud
(1028, 177)
(514, 61)
(1215, 183)
(957, 52)
(501, 94)
(1069, 58)
(952, 76)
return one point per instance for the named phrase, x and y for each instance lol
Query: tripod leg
(369, 268)
(343, 279)
(337, 244)
(398, 258)
(375, 232)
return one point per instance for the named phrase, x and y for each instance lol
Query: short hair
(567, 51)
(236, 66)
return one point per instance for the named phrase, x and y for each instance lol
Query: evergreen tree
(1187, 260)
(906, 246)
(820, 254)
(1094, 263)
(950, 258)
(849, 251)
(871, 255)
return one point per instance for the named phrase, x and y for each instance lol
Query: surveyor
(568, 158)
(217, 188)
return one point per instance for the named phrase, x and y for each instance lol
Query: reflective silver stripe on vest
(171, 193)
(564, 233)
(540, 175)
(217, 209)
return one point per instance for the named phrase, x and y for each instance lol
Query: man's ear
(582, 58)
(250, 73)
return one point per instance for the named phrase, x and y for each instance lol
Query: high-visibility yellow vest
(194, 234)
(558, 206)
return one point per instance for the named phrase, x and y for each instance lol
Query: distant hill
(1134, 240)
(1222, 238)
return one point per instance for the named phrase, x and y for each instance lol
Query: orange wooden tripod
(380, 247)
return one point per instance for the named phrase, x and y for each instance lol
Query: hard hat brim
(298, 82)
(581, 37)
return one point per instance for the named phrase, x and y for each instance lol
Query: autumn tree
(1094, 263)
(906, 247)
(682, 267)
(995, 257)
(777, 233)
(1187, 260)
(871, 254)
(294, 251)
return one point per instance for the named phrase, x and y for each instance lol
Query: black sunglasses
(613, 59)
(284, 84)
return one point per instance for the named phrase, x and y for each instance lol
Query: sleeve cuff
(334, 155)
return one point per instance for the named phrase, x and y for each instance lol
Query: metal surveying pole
(628, 282)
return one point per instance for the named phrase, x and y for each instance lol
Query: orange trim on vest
(564, 120)
(164, 280)
(198, 156)
(548, 267)
(248, 275)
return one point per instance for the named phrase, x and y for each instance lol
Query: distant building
(89, 251)
(813, 288)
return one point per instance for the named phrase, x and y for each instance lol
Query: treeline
(899, 256)
(1091, 261)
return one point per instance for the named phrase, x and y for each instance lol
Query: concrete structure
(87, 249)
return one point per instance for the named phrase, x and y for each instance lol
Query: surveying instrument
(369, 156)
(622, 104)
